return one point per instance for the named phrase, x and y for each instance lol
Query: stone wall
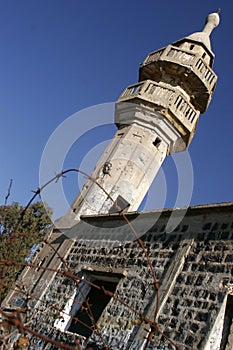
(193, 266)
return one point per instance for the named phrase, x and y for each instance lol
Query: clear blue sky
(60, 56)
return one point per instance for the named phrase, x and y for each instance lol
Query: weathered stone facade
(193, 266)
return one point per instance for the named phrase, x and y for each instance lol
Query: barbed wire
(15, 317)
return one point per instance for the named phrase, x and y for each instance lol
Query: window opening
(191, 47)
(97, 301)
(119, 205)
(157, 142)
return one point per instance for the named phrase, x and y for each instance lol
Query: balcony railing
(153, 56)
(187, 58)
(164, 96)
(206, 73)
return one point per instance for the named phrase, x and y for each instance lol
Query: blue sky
(61, 56)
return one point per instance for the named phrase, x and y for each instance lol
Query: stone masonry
(193, 265)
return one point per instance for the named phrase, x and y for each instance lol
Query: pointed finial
(212, 21)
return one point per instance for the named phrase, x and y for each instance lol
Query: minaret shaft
(126, 169)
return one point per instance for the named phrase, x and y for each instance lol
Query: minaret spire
(212, 21)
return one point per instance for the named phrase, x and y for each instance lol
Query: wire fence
(18, 325)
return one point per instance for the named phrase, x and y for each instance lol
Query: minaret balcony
(184, 68)
(171, 101)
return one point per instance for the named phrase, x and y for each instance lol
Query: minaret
(155, 117)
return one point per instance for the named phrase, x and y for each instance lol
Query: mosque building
(111, 277)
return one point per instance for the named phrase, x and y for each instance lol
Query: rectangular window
(85, 318)
(84, 308)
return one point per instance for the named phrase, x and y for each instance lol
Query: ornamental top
(212, 21)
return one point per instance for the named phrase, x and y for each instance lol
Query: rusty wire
(15, 318)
